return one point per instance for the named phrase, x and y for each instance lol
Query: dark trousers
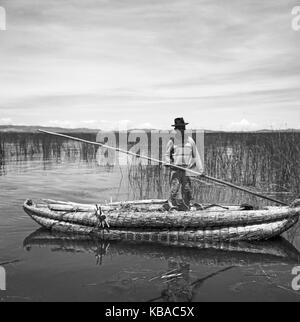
(181, 190)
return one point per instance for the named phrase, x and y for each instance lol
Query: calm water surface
(46, 267)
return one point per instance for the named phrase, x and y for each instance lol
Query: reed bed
(268, 162)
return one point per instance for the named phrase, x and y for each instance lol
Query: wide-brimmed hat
(179, 123)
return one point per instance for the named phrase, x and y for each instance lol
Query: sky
(104, 64)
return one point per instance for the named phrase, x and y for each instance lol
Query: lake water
(41, 266)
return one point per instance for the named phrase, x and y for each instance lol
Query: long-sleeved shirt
(184, 155)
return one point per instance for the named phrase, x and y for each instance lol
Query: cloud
(61, 123)
(243, 125)
(6, 121)
(137, 59)
(146, 125)
(95, 124)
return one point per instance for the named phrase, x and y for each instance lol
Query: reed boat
(147, 220)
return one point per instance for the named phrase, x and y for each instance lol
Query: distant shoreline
(34, 129)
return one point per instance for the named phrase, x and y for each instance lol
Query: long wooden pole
(166, 164)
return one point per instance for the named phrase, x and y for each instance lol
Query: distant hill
(34, 129)
(285, 131)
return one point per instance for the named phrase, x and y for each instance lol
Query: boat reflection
(177, 283)
(278, 251)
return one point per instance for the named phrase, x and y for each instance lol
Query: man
(182, 151)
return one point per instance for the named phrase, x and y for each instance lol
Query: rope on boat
(295, 203)
(101, 218)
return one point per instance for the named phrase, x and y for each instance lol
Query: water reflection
(233, 254)
(177, 282)
(179, 287)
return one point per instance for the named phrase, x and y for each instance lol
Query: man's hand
(194, 165)
(170, 166)
(191, 166)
